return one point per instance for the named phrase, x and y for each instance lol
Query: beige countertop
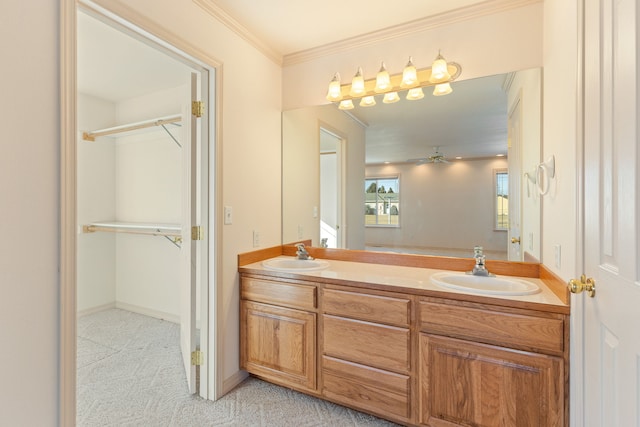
(412, 280)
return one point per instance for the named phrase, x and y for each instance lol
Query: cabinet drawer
(508, 329)
(376, 308)
(279, 293)
(367, 388)
(382, 346)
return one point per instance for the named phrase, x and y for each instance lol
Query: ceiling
(475, 111)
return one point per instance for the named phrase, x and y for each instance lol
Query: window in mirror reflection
(502, 199)
(382, 201)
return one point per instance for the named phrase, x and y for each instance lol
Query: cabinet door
(462, 383)
(279, 344)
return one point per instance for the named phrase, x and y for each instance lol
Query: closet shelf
(173, 232)
(160, 121)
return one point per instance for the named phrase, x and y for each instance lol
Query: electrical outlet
(531, 241)
(315, 212)
(256, 239)
(557, 255)
(300, 232)
(228, 215)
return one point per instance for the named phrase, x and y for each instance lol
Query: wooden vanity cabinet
(411, 359)
(278, 331)
(490, 366)
(366, 351)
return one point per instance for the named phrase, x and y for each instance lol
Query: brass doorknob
(584, 284)
(515, 240)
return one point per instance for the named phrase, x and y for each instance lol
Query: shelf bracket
(170, 134)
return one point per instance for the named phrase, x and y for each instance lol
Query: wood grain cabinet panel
(516, 329)
(468, 384)
(374, 308)
(367, 388)
(373, 344)
(279, 344)
(285, 294)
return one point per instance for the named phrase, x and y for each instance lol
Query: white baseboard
(148, 312)
(97, 309)
(233, 381)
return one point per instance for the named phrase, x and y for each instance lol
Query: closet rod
(91, 136)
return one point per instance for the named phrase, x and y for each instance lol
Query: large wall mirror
(434, 176)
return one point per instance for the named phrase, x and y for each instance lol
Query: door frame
(146, 29)
(576, 320)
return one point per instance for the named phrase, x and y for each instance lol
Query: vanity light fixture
(439, 75)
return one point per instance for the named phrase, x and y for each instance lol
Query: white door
(190, 244)
(514, 161)
(330, 189)
(611, 338)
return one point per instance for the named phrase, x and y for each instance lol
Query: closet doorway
(143, 183)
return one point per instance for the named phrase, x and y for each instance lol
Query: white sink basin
(294, 264)
(485, 285)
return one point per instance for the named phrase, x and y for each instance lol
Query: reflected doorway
(331, 232)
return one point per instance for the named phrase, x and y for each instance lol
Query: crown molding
(221, 15)
(458, 15)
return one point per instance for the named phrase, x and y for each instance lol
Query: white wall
(301, 172)
(96, 202)
(29, 207)
(149, 189)
(443, 206)
(559, 207)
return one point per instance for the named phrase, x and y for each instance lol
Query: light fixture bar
(424, 75)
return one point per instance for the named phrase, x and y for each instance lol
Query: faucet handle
(477, 251)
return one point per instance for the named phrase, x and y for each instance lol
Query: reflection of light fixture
(347, 104)
(439, 75)
(368, 101)
(391, 97)
(357, 84)
(415, 94)
(499, 155)
(442, 89)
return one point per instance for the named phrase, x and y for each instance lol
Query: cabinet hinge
(197, 358)
(197, 108)
(197, 233)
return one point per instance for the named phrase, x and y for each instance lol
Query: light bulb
(415, 94)
(391, 97)
(357, 84)
(409, 75)
(368, 101)
(439, 71)
(334, 93)
(347, 104)
(383, 81)
(442, 89)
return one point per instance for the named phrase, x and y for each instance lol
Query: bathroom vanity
(386, 340)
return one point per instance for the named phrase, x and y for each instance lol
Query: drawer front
(376, 308)
(381, 346)
(505, 329)
(279, 293)
(366, 396)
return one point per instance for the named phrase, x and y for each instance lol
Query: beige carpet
(130, 374)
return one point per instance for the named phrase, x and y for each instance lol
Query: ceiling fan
(436, 157)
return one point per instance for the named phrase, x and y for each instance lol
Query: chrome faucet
(479, 269)
(302, 253)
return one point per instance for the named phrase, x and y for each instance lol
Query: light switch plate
(228, 215)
